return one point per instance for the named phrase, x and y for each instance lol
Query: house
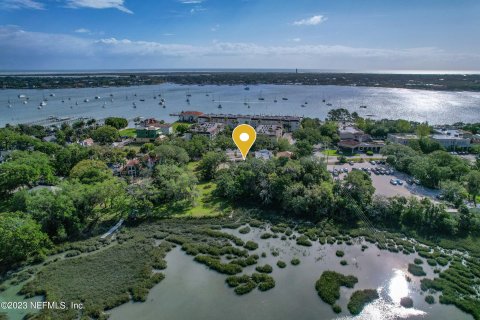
(165, 128)
(86, 143)
(207, 129)
(189, 116)
(263, 154)
(234, 155)
(350, 133)
(363, 143)
(285, 154)
(131, 168)
(148, 134)
(401, 138)
(476, 138)
(50, 138)
(272, 131)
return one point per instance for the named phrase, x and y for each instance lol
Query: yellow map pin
(244, 137)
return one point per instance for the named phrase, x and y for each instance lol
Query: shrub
(328, 286)
(264, 254)
(416, 270)
(406, 302)
(295, 261)
(244, 230)
(281, 264)
(217, 265)
(343, 262)
(360, 298)
(266, 235)
(430, 299)
(418, 261)
(340, 253)
(235, 281)
(304, 241)
(336, 308)
(265, 282)
(432, 262)
(245, 288)
(251, 245)
(264, 269)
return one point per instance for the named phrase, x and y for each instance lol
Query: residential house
(263, 154)
(131, 168)
(86, 143)
(285, 154)
(287, 123)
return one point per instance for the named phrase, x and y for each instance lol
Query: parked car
(393, 182)
(373, 162)
(399, 182)
(351, 163)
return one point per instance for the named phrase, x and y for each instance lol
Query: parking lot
(382, 183)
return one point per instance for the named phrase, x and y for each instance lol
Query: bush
(251, 245)
(281, 264)
(244, 230)
(217, 265)
(360, 298)
(336, 308)
(265, 282)
(432, 262)
(245, 288)
(406, 302)
(416, 270)
(266, 235)
(328, 286)
(369, 153)
(264, 269)
(295, 261)
(430, 299)
(340, 253)
(343, 262)
(418, 261)
(304, 241)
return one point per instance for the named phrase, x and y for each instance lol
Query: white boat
(52, 94)
(86, 100)
(97, 97)
(22, 96)
(25, 102)
(42, 104)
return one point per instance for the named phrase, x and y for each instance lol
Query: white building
(401, 138)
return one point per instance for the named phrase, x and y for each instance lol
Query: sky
(350, 35)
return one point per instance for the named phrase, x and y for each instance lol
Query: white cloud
(191, 1)
(21, 4)
(312, 21)
(27, 49)
(99, 4)
(82, 30)
(296, 39)
(215, 28)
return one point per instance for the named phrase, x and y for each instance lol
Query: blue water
(436, 107)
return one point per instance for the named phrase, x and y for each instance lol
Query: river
(436, 107)
(191, 291)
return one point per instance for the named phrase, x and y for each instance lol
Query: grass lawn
(176, 124)
(130, 132)
(331, 152)
(206, 205)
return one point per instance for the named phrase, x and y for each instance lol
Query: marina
(436, 107)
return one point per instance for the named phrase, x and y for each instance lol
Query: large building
(272, 131)
(452, 139)
(287, 123)
(207, 129)
(151, 129)
(401, 138)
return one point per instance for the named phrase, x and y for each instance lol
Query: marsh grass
(328, 286)
(360, 298)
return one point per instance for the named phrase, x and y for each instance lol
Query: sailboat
(261, 98)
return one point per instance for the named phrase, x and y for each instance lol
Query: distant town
(449, 82)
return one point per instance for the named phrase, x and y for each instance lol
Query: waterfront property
(353, 139)
(401, 138)
(263, 154)
(287, 123)
(452, 139)
(152, 129)
(272, 131)
(207, 129)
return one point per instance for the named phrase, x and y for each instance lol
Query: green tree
(69, 156)
(174, 185)
(182, 128)
(473, 184)
(423, 130)
(20, 238)
(170, 154)
(117, 123)
(303, 148)
(90, 171)
(105, 134)
(453, 191)
(209, 164)
(25, 169)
